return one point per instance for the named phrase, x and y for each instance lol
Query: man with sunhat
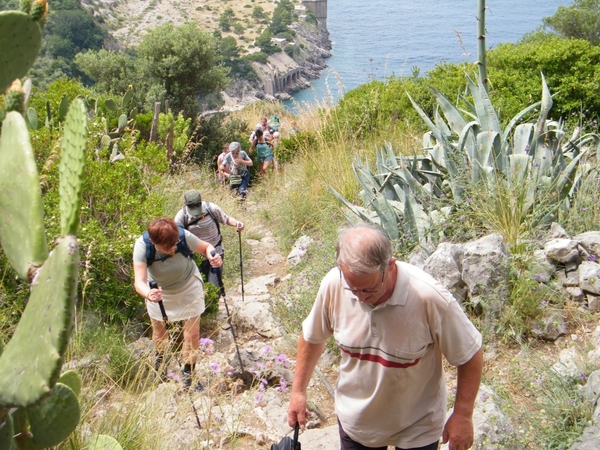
(202, 219)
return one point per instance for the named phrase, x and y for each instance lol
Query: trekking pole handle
(154, 285)
(213, 269)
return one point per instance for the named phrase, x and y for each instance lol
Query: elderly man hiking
(202, 219)
(392, 323)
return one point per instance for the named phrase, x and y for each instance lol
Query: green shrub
(211, 300)
(258, 57)
(289, 147)
(143, 123)
(571, 67)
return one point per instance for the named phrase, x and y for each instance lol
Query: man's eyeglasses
(365, 291)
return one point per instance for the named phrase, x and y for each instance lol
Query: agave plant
(468, 149)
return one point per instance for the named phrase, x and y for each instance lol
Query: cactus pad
(111, 104)
(20, 41)
(102, 442)
(55, 418)
(31, 117)
(71, 168)
(31, 362)
(6, 432)
(71, 379)
(22, 234)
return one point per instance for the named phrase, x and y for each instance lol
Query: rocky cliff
(283, 75)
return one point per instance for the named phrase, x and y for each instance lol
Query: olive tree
(184, 60)
(581, 20)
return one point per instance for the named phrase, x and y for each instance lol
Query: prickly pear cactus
(55, 417)
(20, 41)
(31, 362)
(72, 164)
(102, 442)
(22, 235)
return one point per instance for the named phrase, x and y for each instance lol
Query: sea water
(378, 38)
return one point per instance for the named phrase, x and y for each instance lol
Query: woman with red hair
(178, 290)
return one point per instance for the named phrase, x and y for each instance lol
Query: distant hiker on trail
(275, 123)
(264, 152)
(392, 323)
(238, 162)
(223, 172)
(202, 219)
(265, 128)
(164, 253)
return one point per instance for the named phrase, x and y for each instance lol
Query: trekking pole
(237, 350)
(154, 285)
(241, 264)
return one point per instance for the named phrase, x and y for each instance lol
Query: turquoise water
(378, 38)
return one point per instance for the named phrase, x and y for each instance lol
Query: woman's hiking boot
(160, 366)
(189, 383)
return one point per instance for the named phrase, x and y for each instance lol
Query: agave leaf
(522, 138)
(543, 159)
(546, 104)
(546, 99)
(441, 124)
(456, 174)
(470, 111)
(432, 127)
(366, 179)
(467, 138)
(517, 119)
(584, 171)
(453, 115)
(483, 155)
(437, 156)
(389, 220)
(564, 177)
(486, 114)
(349, 205)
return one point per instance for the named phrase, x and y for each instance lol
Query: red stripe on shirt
(378, 359)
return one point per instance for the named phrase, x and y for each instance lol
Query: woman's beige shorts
(185, 303)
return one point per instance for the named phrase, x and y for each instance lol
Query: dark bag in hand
(287, 443)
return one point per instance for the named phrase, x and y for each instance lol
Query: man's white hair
(363, 249)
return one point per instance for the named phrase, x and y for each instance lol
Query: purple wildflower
(283, 360)
(537, 277)
(215, 367)
(266, 349)
(592, 258)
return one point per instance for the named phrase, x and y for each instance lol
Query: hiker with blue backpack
(168, 279)
(203, 219)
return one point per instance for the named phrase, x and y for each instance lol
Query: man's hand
(458, 431)
(297, 412)
(240, 227)
(215, 260)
